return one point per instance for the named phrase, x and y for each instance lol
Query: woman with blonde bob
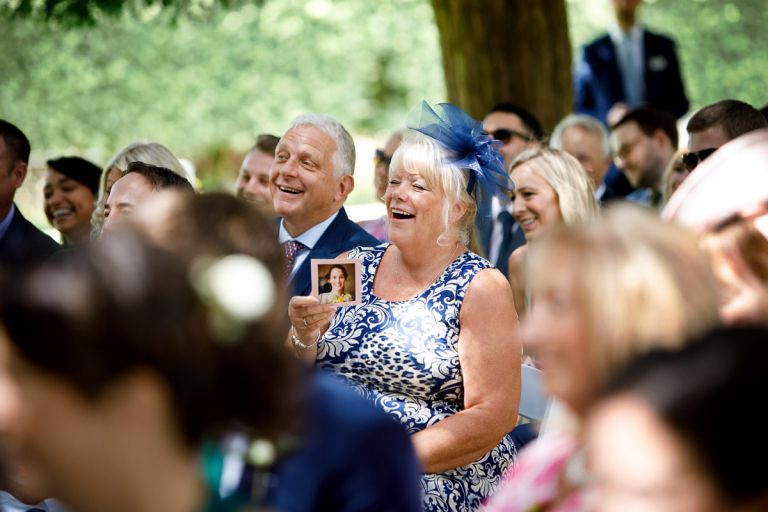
(605, 292)
(151, 153)
(434, 341)
(551, 188)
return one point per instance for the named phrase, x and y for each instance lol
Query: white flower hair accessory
(237, 289)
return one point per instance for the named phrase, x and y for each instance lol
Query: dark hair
(266, 143)
(160, 177)
(340, 267)
(733, 116)
(764, 111)
(93, 315)
(529, 120)
(649, 120)
(707, 393)
(16, 142)
(78, 169)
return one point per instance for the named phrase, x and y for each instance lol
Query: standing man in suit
(518, 130)
(310, 179)
(628, 67)
(20, 241)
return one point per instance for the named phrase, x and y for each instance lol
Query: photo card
(337, 281)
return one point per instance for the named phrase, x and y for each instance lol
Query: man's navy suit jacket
(24, 244)
(598, 82)
(342, 235)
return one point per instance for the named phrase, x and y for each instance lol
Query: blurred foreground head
(605, 291)
(656, 440)
(124, 361)
(726, 202)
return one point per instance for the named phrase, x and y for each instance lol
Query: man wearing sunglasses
(517, 129)
(716, 124)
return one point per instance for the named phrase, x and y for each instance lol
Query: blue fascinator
(468, 147)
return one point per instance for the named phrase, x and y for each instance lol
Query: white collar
(310, 236)
(617, 35)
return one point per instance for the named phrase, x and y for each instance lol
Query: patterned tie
(291, 248)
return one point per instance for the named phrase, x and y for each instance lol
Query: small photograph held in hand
(337, 282)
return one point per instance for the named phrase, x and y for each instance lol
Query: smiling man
(310, 179)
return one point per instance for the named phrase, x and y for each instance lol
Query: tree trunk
(515, 51)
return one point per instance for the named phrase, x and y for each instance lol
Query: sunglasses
(380, 157)
(505, 135)
(691, 160)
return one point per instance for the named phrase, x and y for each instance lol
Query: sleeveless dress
(403, 357)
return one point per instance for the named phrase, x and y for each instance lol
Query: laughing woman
(70, 193)
(551, 188)
(434, 342)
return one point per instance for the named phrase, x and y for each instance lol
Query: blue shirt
(6, 222)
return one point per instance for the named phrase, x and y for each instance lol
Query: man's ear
(344, 186)
(19, 173)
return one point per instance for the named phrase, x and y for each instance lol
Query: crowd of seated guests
(173, 352)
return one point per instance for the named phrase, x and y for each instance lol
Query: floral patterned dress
(403, 357)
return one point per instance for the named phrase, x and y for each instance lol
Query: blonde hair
(672, 167)
(423, 155)
(566, 176)
(148, 152)
(642, 283)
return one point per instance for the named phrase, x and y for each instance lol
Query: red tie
(291, 248)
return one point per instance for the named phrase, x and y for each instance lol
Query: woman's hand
(309, 319)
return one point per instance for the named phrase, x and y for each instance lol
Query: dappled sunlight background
(206, 84)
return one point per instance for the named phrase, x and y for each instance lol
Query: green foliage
(203, 86)
(721, 44)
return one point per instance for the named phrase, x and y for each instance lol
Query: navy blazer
(23, 243)
(598, 82)
(510, 241)
(352, 458)
(342, 235)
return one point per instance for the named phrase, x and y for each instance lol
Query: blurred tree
(507, 50)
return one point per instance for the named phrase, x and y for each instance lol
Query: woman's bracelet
(300, 344)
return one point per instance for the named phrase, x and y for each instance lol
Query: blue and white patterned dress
(403, 357)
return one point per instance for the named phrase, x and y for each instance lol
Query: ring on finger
(305, 321)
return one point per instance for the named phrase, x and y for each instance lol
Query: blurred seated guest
(516, 129)
(645, 140)
(434, 341)
(675, 175)
(337, 277)
(124, 365)
(551, 188)
(378, 227)
(20, 241)
(253, 179)
(148, 152)
(716, 124)
(604, 292)
(347, 456)
(586, 139)
(655, 441)
(310, 179)
(137, 185)
(725, 202)
(70, 190)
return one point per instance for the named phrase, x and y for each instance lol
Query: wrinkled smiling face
(304, 189)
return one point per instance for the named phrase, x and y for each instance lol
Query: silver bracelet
(300, 344)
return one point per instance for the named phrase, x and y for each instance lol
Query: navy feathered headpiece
(468, 148)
